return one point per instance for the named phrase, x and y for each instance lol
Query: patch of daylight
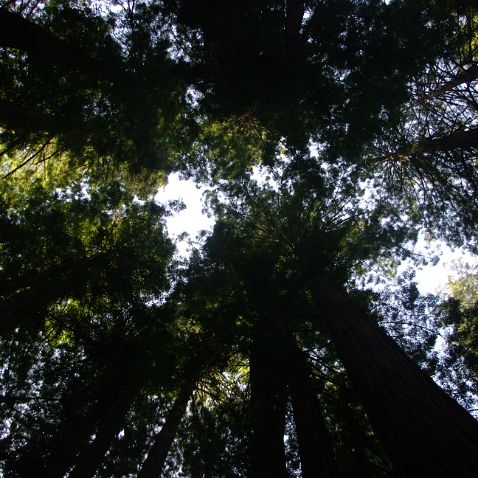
(185, 225)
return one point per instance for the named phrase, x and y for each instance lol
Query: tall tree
(259, 354)
(362, 345)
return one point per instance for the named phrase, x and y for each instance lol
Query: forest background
(274, 348)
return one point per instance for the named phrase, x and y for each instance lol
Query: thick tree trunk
(424, 431)
(21, 34)
(153, 465)
(268, 407)
(315, 446)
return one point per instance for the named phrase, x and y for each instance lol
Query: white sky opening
(190, 220)
(431, 279)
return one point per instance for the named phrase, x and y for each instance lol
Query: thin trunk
(315, 446)
(74, 438)
(455, 140)
(90, 457)
(465, 77)
(268, 407)
(153, 465)
(361, 444)
(423, 430)
(119, 384)
(362, 464)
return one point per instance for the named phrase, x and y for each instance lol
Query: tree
(361, 345)
(259, 354)
(432, 150)
(76, 314)
(458, 313)
(127, 94)
(65, 76)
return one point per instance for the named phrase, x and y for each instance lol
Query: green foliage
(461, 332)
(360, 116)
(77, 243)
(465, 287)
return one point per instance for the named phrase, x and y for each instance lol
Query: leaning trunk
(464, 78)
(456, 140)
(315, 446)
(22, 34)
(74, 438)
(153, 465)
(62, 455)
(91, 457)
(424, 431)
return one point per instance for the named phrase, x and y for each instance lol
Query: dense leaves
(330, 134)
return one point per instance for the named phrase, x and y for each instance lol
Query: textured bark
(268, 406)
(315, 446)
(153, 465)
(423, 430)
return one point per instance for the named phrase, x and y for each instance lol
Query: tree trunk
(315, 446)
(153, 465)
(359, 441)
(464, 78)
(90, 457)
(440, 144)
(77, 430)
(268, 407)
(21, 34)
(295, 10)
(118, 387)
(14, 116)
(424, 431)
(69, 441)
(454, 140)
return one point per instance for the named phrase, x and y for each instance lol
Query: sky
(431, 279)
(191, 220)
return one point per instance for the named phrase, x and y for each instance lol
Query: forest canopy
(329, 135)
